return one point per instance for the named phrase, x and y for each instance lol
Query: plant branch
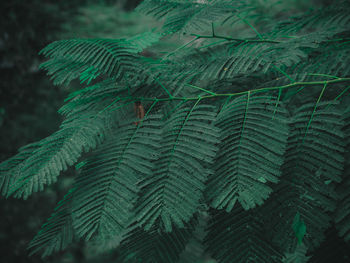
(218, 95)
(236, 39)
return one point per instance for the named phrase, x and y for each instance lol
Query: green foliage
(173, 191)
(245, 165)
(82, 58)
(154, 245)
(57, 233)
(110, 177)
(239, 236)
(298, 256)
(312, 165)
(187, 16)
(259, 119)
(342, 215)
(40, 163)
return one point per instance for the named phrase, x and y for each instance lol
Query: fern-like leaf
(88, 58)
(342, 215)
(107, 186)
(173, 191)
(189, 15)
(40, 163)
(312, 165)
(155, 246)
(239, 236)
(251, 152)
(57, 233)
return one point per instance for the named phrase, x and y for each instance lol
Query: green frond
(173, 191)
(57, 233)
(189, 15)
(238, 57)
(103, 96)
(239, 236)
(88, 58)
(40, 163)
(321, 63)
(310, 170)
(250, 153)
(275, 49)
(174, 75)
(331, 19)
(107, 186)
(194, 250)
(10, 169)
(144, 40)
(256, 57)
(155, 246)
(342, 215)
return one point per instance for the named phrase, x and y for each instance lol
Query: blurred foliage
(112, 21)
(105, 21)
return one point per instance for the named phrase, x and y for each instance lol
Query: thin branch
(207, 91)
(216, 95)
(237, 39)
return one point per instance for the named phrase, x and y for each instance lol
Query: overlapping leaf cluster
(254, 130)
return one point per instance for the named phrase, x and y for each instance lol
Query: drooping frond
(251, 57)
(11, 168)
(286, 45)
(103, 96)
(168, 77)
(195, 250)
(232, 58)
(250, 155)
(239, 236)
(55, 154)
(88, 58)
(107, 186)
(173, 191)
(322, 60)
(40, 163)
(190, 15)
(57, 233)
(142, 41)
(330, 19)
(155, 246)
(313, 163)
(342, 215)
(320, 65)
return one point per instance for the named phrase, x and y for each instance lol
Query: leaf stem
(236, 39)
(207, 91)
(313, 112)
(295, 84)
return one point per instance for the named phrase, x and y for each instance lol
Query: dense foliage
(240, 132)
